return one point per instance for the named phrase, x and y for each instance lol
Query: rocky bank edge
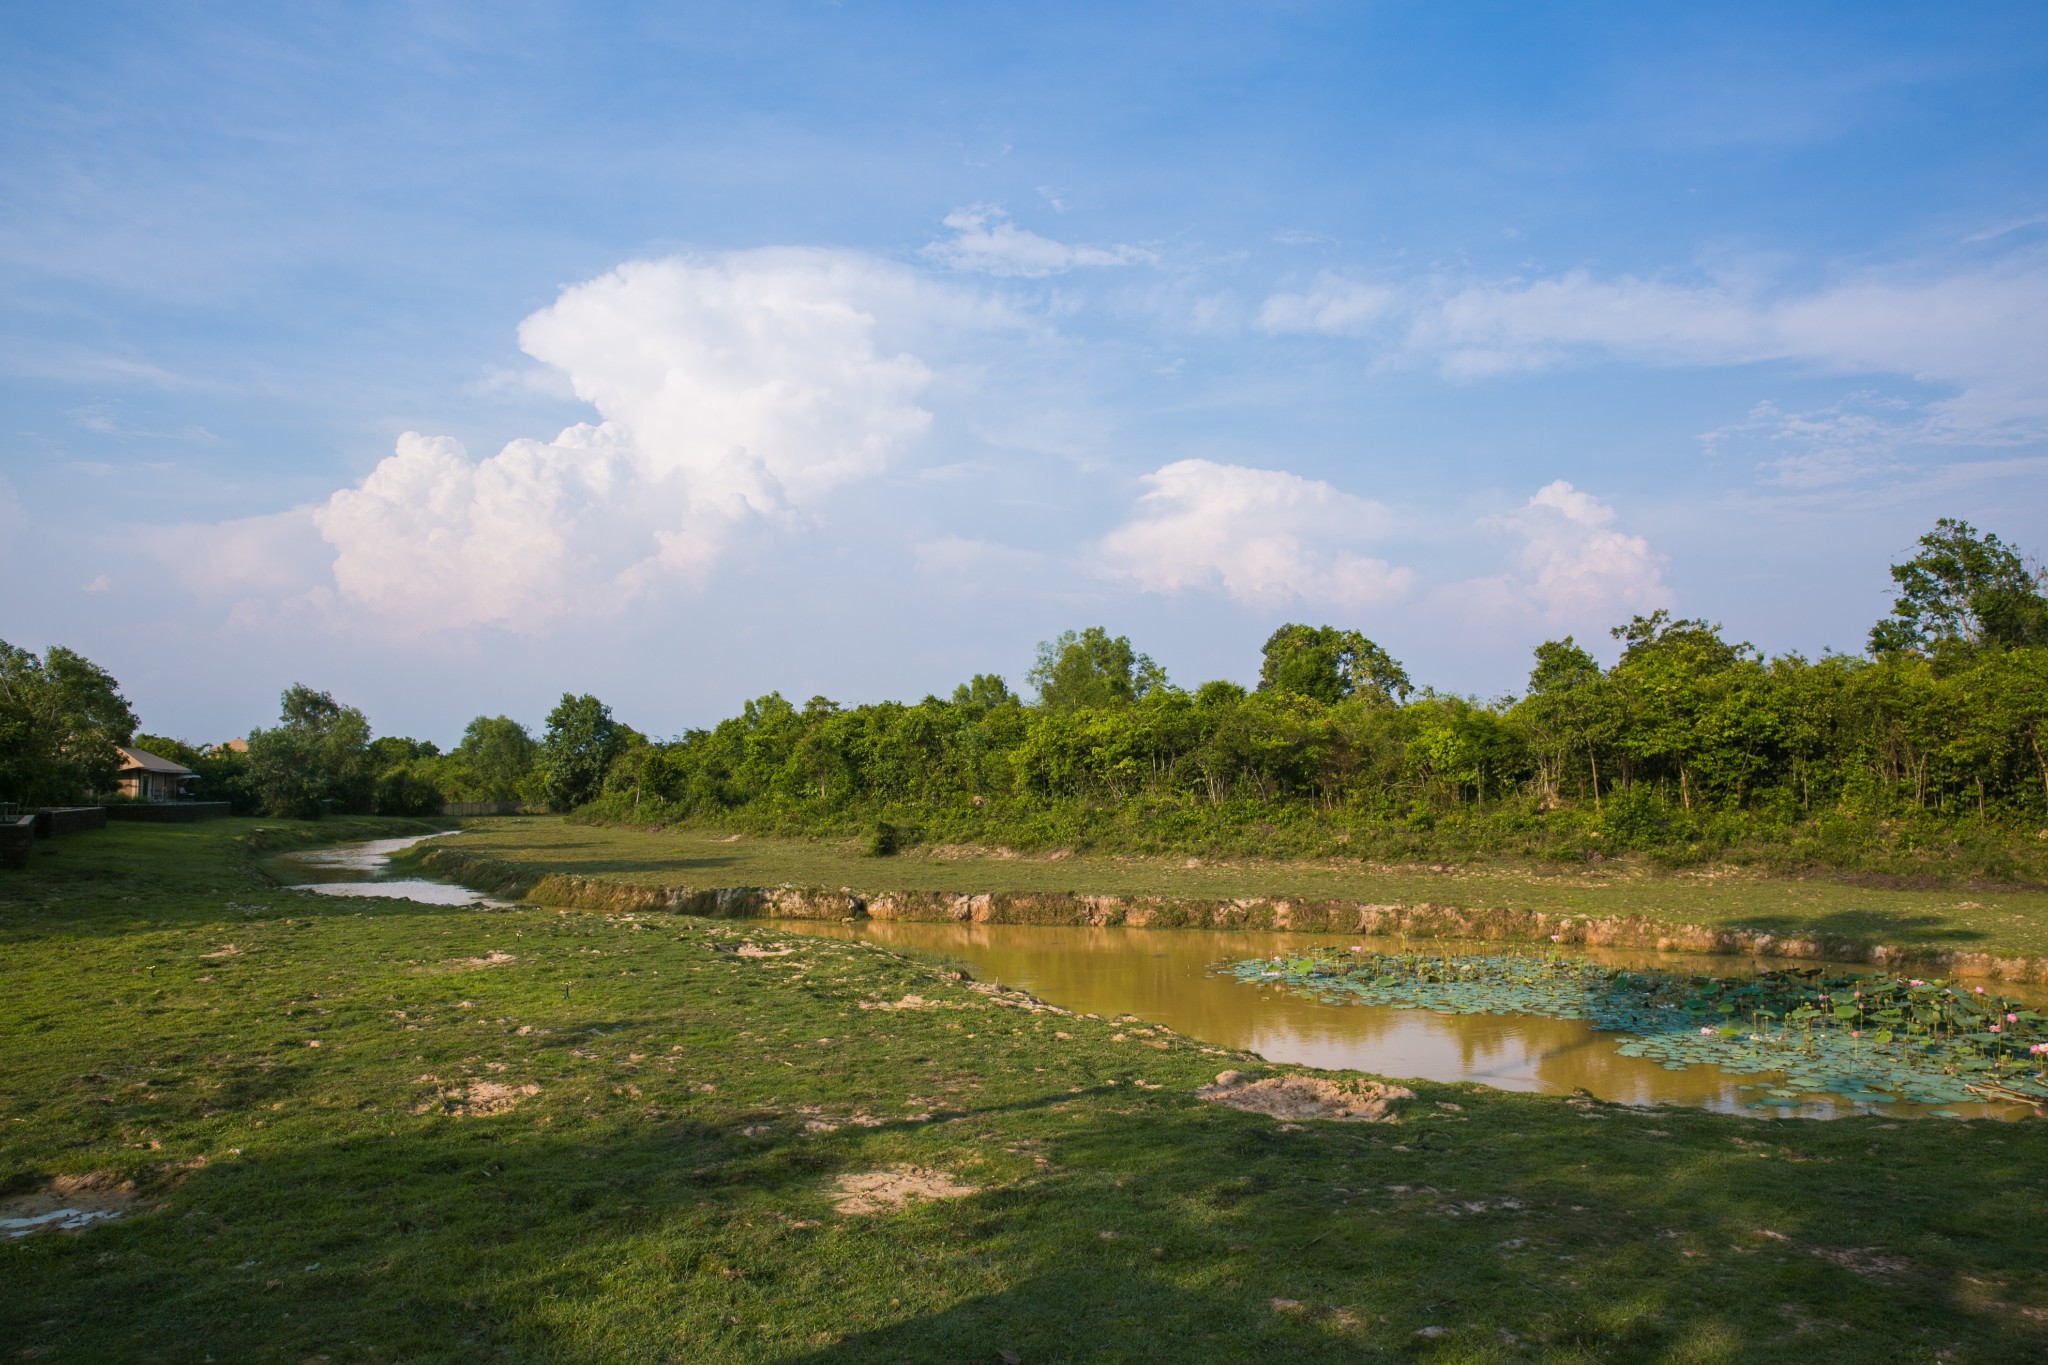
(499, 877)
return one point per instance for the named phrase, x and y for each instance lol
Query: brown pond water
(1163, 975)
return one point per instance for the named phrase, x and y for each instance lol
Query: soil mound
(66, 1204)
(882, 1191)
(1306, 1097)
(476, 1099)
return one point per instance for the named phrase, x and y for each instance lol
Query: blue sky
(449, 357)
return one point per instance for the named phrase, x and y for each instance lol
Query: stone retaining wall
(56, 820)
(17, 838)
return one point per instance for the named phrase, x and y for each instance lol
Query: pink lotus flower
(1706, 1031)
(1978, 989)
(2012, 1018)
(1994, 1028)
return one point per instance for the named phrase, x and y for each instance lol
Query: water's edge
(1418, 921)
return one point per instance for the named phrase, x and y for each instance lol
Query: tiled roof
(142, 760)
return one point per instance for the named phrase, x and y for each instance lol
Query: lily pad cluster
(1870, 1039)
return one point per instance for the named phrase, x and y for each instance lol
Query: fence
(489, 808)
(170, 812)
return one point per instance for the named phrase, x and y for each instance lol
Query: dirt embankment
(1418, 920)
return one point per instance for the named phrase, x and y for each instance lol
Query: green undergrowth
(385, 1132)
(1905, 846)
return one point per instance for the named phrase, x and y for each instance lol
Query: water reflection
(1163, 975)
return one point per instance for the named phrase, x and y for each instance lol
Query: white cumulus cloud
(984, 239)
(732, 390)
(1261, 536)
(1571, 566)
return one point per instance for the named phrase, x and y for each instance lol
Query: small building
(146, 777)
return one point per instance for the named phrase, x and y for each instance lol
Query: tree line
(1688, 739)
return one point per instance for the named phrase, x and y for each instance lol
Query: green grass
(659, 1197)
(1994, 920)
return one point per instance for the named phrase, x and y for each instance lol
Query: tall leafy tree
(578, 747)
(494, 761)
(1564, 714)
(1092, 669)
(984, 689)
(315, 760)
(1963, 590)
(62, 718)
(1330, 665)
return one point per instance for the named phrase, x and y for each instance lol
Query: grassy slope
(660, 1199)
(1999, 921)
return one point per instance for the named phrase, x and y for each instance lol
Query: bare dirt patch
(67, 1204)
(494, 958)
(884, 1191)
(1866, 1261)
(756, 950)
(475, 1099)
(908, 1002)
(1306, 1097)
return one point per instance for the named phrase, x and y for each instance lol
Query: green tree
(1092, 669)
(1963, 590)
(62, 718)
(1673, 691)
(1330, 665)
(1564, 716)
(494, 761)
(315, 760)
(577, 749)
(986, 690)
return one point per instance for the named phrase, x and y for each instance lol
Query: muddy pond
(1168, 976)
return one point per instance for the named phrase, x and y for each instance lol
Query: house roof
(142, 760)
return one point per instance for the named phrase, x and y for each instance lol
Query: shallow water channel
(1165, 976)
(364, 869)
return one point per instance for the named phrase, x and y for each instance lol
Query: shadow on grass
(1149, 1232)
(1865, 927)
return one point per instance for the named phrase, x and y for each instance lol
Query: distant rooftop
(142, 760)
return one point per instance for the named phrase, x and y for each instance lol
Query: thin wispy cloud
(986, 240)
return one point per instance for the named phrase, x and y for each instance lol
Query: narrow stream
(364, 869)
(1164, 975)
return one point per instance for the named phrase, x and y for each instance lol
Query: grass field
(364, 1132)
(1990, 920)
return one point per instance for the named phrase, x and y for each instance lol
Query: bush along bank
(1422, 920)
